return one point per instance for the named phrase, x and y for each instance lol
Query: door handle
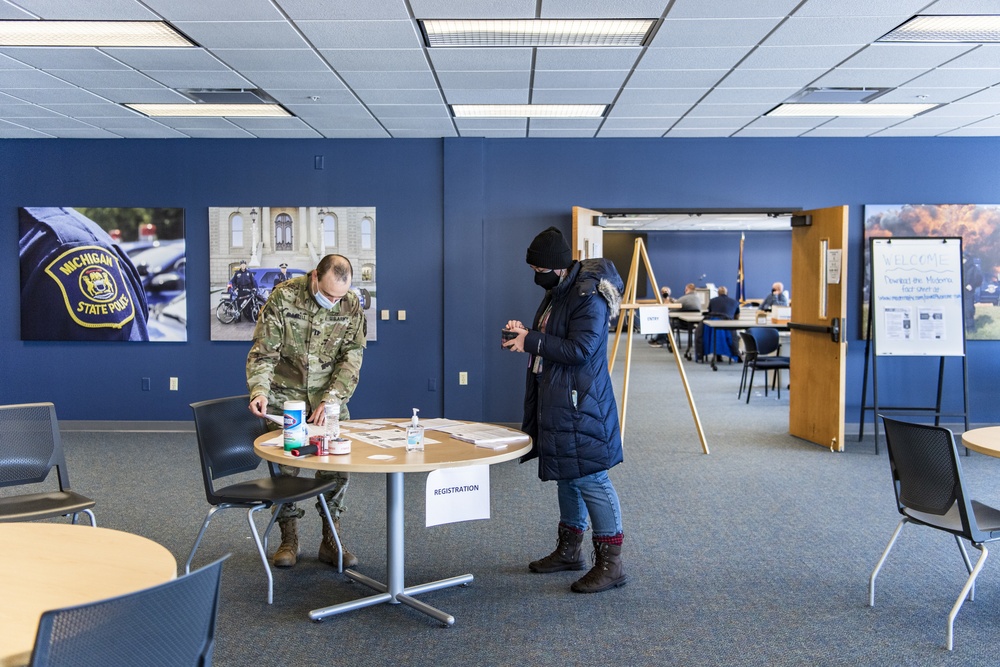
(833, 329)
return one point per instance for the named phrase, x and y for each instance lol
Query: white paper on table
(458, 494)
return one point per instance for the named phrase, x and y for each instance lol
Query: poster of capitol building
(281, 242)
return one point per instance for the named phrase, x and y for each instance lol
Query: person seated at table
(659, 340)
(691, 301)
(777, 297)
(722, 306)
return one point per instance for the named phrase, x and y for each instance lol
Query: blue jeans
(593, 495)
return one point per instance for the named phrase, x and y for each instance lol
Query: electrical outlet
(173, 384)
(385, 314)
(463, 378)
(400, 315)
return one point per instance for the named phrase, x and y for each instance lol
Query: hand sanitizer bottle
(415, 434)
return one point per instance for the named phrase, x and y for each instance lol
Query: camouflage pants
(334, 497)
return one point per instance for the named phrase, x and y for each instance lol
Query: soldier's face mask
(322, 299)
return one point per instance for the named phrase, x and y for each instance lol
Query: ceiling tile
(375, 133)
(731, 124)
(8, 12)
(243, 34)
(384, 80)
(769, 132)
(487, 80)
(913, 93)
(585, 59)
(253, 124)
(292, 80)
(826, 131)
(480, 60)
(303, 133)
(692, 9)
(199, 10)
(10, 63)
(676, 78)
(905, 56)
(487, 96)
(906, 132)
(196, 79)
(326, 124)
(371, 96)
(785, 122)
(661, 125)
(429, 133)
(867, 78)
(60, 96)
(231, 132)
(12, 110)
(300, 10)
(964, 109)
(777, 57)
(988, 96)
(375, 60)
(698, 57)
(126, 78)
(721, 110)
(609, 133)
(985, 56)
(746, 95)
(771, 78)
(957, 78)
(361, 34)
(108, 10)
(92, 133)
(473, 9)
(91, 110)
(272, 60)
(167, 59)
(14, 132)
(718, 32)
(901, 9)
(633, 95)
(303, 98)
(384, 111)
(148, 133)
(835, 30)
(573, 95)
(331, 112)
(63, 58)
(621, 110)
(28, 78)
(700, 132)
(566, 123)
(491, 124)
(563, 79)
(634, 9)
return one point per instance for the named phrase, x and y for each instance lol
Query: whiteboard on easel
(917, 296)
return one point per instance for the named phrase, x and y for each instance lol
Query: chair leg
(968, 565)
(270, 524)
(969, 585)
(197, 541)
(333, 529)
(881, 561)
(753, 370)
(260, 550)
(93, 520)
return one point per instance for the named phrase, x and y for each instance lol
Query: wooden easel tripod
(629, 306)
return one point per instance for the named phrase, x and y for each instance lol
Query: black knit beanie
(549, 250)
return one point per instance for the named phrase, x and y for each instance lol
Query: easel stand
(872, 359)
(629, 306)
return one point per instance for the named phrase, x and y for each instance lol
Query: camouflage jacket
(303, 352)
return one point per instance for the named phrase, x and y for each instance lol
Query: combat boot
(608, 571)
(567, 556)
(288, 551)
(328, 547)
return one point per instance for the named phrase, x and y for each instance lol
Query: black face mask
(547, 280)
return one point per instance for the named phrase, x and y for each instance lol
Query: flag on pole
(740, 285)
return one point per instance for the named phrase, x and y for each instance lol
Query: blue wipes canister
(296, 432)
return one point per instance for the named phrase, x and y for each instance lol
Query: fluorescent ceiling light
(90, 33)
(528, 110)
(984, 28)
(537, 32)
(855, 110)
(210, 110)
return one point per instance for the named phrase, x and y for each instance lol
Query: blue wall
(454, 218)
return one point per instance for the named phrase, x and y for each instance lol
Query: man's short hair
(778, 286)
(689, 287)
(340, 265)
(723, 291)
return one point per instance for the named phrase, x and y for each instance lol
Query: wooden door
(819, 308)
(588, 236)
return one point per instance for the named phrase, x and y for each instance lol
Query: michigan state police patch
(93, 287)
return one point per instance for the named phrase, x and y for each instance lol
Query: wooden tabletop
(447, 452)
(983, 440)
(46, 566)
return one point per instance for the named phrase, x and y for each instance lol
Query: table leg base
(403, 597)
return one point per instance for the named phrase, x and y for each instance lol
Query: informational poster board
(917, 296)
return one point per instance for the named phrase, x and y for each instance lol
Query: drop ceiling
(360, 68)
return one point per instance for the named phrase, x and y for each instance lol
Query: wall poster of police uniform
(252, 249)
(102, 274)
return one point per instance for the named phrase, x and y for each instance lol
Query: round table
(45, 566)
(447, 452)
(983, 440)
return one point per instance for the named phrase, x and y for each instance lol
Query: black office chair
(169, 625)
(758, 344)
(226, 431)
(30, 446)
(930, 491)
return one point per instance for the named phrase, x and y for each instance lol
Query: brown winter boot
(608, 571)
(288, 552)
(567, 556)
(328, 547)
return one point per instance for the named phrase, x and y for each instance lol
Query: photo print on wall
(978, 225)
(102, 274)
(254, 248)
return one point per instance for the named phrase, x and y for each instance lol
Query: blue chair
(168, 625)
(759, 346)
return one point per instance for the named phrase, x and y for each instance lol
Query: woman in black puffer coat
(569, 406)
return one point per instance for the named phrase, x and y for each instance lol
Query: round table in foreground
(983, 440)
(46, 566)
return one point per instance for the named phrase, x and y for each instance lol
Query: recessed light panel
(537, 32)
(985, 28)
(211, 110)
(90, 33)
(528, 110)
(854, 110)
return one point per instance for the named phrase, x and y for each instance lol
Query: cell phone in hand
(506, 335)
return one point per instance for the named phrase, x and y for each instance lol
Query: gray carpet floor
(756, 554)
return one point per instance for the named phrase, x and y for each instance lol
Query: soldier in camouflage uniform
(308, 346)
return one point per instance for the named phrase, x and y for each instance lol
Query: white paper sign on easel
(458, 494)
